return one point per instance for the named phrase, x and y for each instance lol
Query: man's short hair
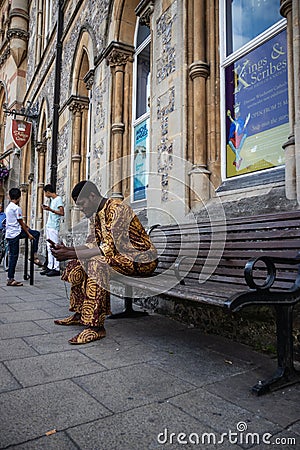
(84, 188)
(14, 193)
(49, 188)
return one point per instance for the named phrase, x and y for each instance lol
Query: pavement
(152, 383)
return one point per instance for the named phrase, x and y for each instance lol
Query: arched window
(79, 105)
(43, 26)
(141, 114)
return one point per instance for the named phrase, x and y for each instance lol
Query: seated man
(118, 242)
(17, 229)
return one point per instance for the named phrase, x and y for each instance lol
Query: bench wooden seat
(247, 261)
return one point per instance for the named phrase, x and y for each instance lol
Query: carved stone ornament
(117, 58)
(17, 33)
(77, 104)
(41, 147)
(89, 79)
(144, 11)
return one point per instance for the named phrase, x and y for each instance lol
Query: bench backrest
(220, 251)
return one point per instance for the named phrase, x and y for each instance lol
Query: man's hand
(63, 253)
(46, 207)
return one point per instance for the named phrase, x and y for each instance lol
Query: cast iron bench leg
(128, 312)
(286, 374)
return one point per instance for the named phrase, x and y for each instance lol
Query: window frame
(144, 117)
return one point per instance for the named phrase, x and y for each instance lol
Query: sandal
(14, 283)
(72, 320)
(88, 335)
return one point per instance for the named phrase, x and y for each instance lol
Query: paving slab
(7, 380)
(23, 316)
(31, 412)
(120, 355)
(281, 407)
(14, 349)
(54, 367)
(55, 441)
(155, 426)
(221, 414)
(54, 343)
(128, 387)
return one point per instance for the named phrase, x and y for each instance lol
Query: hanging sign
(21, 132)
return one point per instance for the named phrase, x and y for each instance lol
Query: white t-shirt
(54, 219)
(13, 213)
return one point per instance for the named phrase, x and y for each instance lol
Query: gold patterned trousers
(90, 285)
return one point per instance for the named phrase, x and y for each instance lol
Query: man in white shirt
(56, 212)
(17, 229)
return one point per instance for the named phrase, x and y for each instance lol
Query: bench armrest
(149, 231)
(177, 269)
(269, 262)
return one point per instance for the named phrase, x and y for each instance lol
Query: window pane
(140, 161)
(143, 33)
(257, 108)
(143, 82)
(246, 19)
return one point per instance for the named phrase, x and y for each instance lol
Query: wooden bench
(247, 261)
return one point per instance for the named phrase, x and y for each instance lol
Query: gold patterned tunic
(124, 247)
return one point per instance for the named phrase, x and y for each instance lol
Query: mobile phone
(52, 244)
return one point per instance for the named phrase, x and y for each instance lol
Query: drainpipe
(56, 96)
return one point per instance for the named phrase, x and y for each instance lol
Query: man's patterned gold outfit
(124, 247)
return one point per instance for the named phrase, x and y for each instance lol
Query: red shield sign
(21, 132)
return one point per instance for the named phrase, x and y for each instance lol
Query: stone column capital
(118, 53)
(41, 147)
(77, 104)
(144, 11)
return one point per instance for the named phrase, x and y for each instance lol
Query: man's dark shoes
(45, 271)
(53, 273)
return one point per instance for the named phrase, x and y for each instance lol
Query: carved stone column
(77, 106)
(199, 71)
(117, 56)
(41, 149)
(18, 30)
(286, 7)
(89, 82)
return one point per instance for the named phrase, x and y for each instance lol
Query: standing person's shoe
(45, 271)
(53, 273)
(13, 283)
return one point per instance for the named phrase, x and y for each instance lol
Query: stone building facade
(175, 105)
